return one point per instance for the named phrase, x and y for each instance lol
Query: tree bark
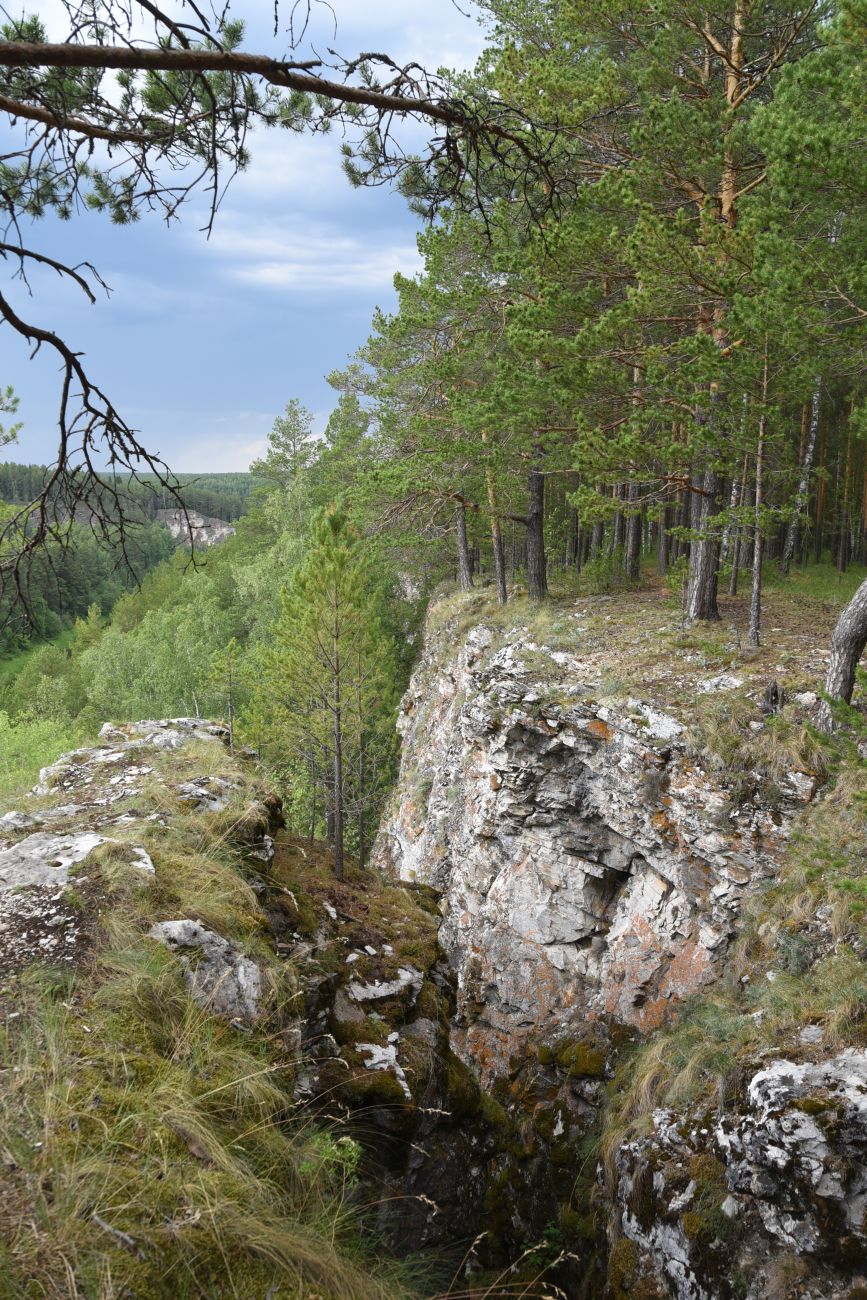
(312, 800)
(496, 528)
(739, 530)
(617, 529)
(662, 542)
(793, 530)
(754, 633)
(465, 570)
(537, 581)
(847, 646)
(632, 553)
(701, 596)
(337, 756)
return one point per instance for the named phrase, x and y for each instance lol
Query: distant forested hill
(222, 496)
(64, 583)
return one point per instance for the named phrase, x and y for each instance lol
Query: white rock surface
(407, 978)
(587, 864)
(385, 1058)
(220, 978)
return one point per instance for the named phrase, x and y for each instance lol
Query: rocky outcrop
(83, 811)
(766, 1198)
(589, 868)
(375, 999)
(592, 871)
(195, 529)
(219, 977)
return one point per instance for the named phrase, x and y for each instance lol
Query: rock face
(220, 978)
(201, 530)
(589, 869)
(592, 873)
(770, 1196)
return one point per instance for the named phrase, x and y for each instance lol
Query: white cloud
(432, 32)
(305, 167)
(214, 453)
(306, 256)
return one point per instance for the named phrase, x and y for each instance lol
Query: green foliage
(29, 743)
(329, 680)
(8, 406)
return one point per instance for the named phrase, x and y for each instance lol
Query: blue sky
(202, 342)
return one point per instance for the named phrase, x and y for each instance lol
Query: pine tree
(329, 679)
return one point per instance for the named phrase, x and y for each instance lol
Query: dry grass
(148, 1148)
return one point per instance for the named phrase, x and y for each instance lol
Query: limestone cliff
(589, 865)
(595, 865)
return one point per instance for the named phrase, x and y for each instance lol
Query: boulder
(218, 975)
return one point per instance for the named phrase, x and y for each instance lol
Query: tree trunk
(753, 636)
(362, 778)
(701, 596)
(662, 542)
(572, 536)
(818, 530)
(632, 553)
(792, 532)
(617, 530)
(496, 529)
(231, 710)
(312, 799)
(537, 582)
(465, 568)
(847, 646)
(499, 561)
(843, 553)
(337, 759)
(739, 530)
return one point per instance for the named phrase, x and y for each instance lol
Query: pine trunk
(793, 531)
(465, 568)
(496, 530)
(662, 542)
(337, 760)
(847, 646)
(701, 596)
(632, 554)
(754, 634)
(537, 582)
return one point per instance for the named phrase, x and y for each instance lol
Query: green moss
(581, 1060)
(814, 1105)
(431, 1005)
(707, 1171)
(374, 1088)
(463, 1095)
(422, 952)
(622, 1267)
(693, 1225)
(494, 1115)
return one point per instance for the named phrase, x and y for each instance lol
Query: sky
(201, 342)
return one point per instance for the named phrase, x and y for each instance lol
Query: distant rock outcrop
(84, 805)
(196, 529)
